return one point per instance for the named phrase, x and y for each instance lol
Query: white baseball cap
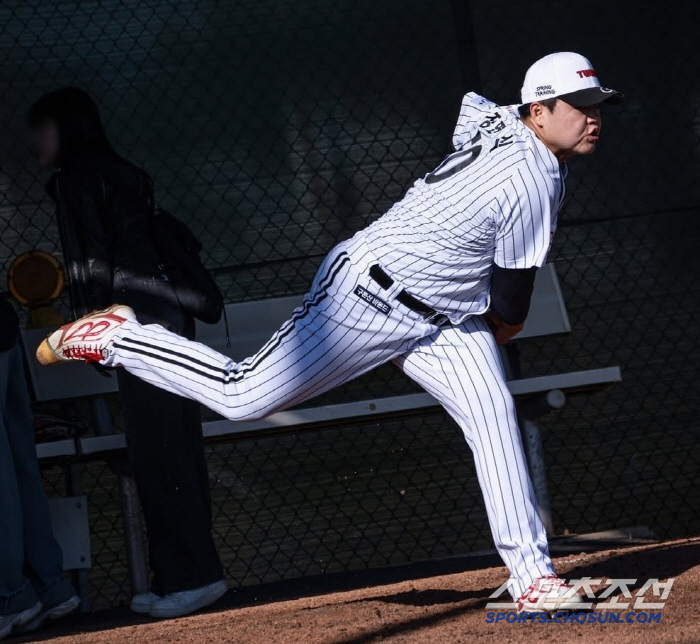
(568, 76)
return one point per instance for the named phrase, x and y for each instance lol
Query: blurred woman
(104, 208)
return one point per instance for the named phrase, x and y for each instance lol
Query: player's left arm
(511, 292)
(523, 238)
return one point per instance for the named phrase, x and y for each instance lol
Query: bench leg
(101, 416)
(74, 487)
(133, 534)
(130, 506)
(535, 457)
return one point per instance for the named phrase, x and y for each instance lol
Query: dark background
(278, 128)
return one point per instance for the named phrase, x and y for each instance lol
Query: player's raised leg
(334, 336)
(460, 366)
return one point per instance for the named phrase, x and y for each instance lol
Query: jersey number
(449, 168)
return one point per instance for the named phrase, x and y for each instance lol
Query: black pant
(166, 450)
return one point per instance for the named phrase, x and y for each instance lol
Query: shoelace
(554, 582)
(84, 352)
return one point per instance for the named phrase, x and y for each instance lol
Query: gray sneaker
(187, 601)
(143, 602)
(55, 612)
(8, 622)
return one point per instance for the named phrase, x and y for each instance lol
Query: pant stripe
(284, 332)
(224, 376)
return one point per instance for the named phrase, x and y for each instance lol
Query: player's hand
(502, 331)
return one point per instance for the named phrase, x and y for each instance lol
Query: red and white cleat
(550, 594)
(84, 339)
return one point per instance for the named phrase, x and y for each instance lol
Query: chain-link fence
(277, 129)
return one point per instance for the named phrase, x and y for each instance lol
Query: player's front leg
(460, 366)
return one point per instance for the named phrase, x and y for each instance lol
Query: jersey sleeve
(524, 222)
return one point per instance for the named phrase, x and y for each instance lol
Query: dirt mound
(433, 610)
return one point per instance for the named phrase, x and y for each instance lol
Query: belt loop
(377, 273)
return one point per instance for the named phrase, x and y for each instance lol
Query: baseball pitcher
(433, 285)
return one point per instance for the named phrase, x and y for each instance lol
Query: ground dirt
(428, 609)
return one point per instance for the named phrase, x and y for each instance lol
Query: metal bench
(252, 323)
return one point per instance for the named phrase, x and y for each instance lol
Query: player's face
(571, 130)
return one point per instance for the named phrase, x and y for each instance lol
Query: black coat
(105, 207)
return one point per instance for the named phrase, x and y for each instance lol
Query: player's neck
(561, 155)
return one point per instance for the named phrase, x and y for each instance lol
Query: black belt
(379, 275)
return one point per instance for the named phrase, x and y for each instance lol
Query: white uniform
(494, 200)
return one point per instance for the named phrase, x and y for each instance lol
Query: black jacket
(104, 209)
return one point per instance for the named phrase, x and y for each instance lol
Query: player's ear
(537, 112)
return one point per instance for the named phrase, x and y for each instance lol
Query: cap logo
(544, 90)
(586, 73)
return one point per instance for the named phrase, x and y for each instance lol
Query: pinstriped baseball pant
(337, 335)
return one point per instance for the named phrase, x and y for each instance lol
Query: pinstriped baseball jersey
(495, 199)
